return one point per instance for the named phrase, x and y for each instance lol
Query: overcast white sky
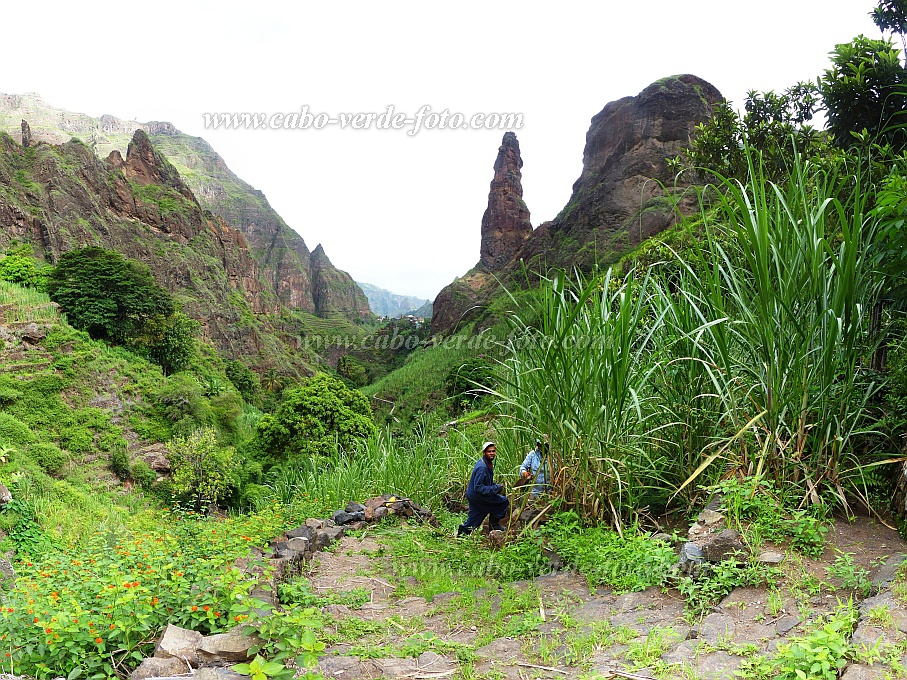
(400, 211)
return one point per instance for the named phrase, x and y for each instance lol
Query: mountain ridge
(284, 260)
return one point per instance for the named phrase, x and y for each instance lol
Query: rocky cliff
(386, 303)
(62, 197)
(620, 199)
(505, 224)
(284, 262)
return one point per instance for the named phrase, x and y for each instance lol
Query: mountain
(62, 197)
(286, 267)
(620, 199)
(385, 303)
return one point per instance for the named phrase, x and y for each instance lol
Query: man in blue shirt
(484, 496)
(536, 466)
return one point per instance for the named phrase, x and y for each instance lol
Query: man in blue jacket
(484, 496)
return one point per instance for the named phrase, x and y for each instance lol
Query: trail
(572, 632)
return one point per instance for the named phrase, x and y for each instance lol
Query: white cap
(486, 445)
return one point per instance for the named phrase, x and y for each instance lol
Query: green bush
(9, 395)
(119, 462)
(13, 432)
(181, 397)
(315, 419)
(48, 456)
(143, 475)
(243, 379)
(77, 439)
(204, 472)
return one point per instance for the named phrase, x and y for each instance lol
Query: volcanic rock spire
(505, 224)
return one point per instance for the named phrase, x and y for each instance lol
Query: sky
(403, 211)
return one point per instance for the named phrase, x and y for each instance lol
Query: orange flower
(154, 600)
(48, 630)
(36, 620)
(112, 626)
(194, 608)
(206, 607)
(216, 613)
(10, 610)
(98, 640)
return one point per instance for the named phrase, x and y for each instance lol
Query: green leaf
(242, 668)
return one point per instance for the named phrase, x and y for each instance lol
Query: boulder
(691, 561)
(218, 673)
(231, 646)
(6, 570)
(304, 531)
(724, 546)
(353, 507)
(156, 667)
(327, 536)
(342, 517)
(178, 643)
(298, 544)
(5, 495)
(33, 334)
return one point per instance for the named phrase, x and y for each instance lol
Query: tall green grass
(742, 355)
(423, 466)
(19, 304)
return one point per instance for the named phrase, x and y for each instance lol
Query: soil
(657, 637)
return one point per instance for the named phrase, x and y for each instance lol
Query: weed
(648, 651)
(852, 576)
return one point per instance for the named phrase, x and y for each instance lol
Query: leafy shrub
(77, 439)
(19, 267)
(48, 456)
(9, 395)
(465, 383)
(14, 432)
(314, 418)
(203, 471)
(111, 440)
(226, 408)
(119, 462)
(181, 397)
(168, 341)
(143, 475)
(101, 605)
(243, 379)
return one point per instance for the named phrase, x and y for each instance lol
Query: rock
(316, 523)
(885, 575)
(724, 546)
(155, 455)
(230, 646)
(178, 643)
(497, 538)
(866, 635)
(505, 224)
(661, 538)
(710, 517)
(342, 517)
(300, 545)
(156, 667)
(377, 514)
(304, 531)
(7, 570)
(770, 557)
(5, 495)
(218, 673)
(860, 672)
(615, 203)
(715, 627)
(786, 624)
(326, 537)
(33, 334)
(691, 561)
(353, 507)
(27, 140)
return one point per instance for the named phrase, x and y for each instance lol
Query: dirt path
(554, 627)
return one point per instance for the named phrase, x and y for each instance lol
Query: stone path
(569, 632)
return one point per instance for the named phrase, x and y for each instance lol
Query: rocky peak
(26, 134)
(144, 165)
(619, 200)
(505, 224)
(627, 147)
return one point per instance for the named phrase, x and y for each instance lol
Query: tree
(243, 379)
(203, 471)
(891, 15)
(865, 91)
(169, 341)
(102, 292)
(18, 266)
(313, 417)
(774, 125)
(351, 369)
